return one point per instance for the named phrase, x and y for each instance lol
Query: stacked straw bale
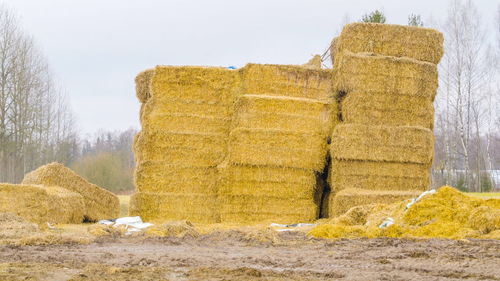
(185, 117)
(385, 79)
(277, 145)
(98, 202)
(287, 80)
(42, 204)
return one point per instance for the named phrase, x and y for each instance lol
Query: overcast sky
(96, 47)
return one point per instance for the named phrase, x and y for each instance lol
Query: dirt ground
(234, 256)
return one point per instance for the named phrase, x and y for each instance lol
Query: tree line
(37, 125)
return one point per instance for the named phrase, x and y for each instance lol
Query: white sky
(96, 47)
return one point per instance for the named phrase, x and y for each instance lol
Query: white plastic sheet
(132, 224)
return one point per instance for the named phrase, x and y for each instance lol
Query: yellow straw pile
(385, 79)
(99, 203)
(42, 204)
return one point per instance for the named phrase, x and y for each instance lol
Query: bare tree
(464, 77)
(35, 122)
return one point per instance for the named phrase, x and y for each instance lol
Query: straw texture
(383, 143)
(99, 203)
(42, 204)
(379, 175)
(419, 43)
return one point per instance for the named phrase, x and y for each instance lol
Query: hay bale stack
(276, 147)
(385, 78)
(99, 203)
(42, 204)
(185, 125)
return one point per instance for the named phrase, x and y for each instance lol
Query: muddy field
(234, 256)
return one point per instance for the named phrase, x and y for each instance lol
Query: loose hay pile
(447, 213)
(385, 80)
(42, 204)
(99, 203)
(185, 125)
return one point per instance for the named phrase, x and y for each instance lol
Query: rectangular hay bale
(387, 109)
(150, 176)
(152, 206)
(259, 209)
(99, 203)
(277, 148)
(216, 85)
(344, 200)
(403, 144)
(379, 175)
(142, 85)
(286, 80)
(381, 74)
(186, 123)
(184, 107)
(419, 43)
(180, 148)
(285, 113)
(268, 174)
(272, 189)
(42, 204)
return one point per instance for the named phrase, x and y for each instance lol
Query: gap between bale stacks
(99, 203)
(42, 204)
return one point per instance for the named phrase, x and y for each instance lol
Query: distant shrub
(376, 17)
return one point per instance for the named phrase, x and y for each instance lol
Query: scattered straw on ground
(447, 213)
